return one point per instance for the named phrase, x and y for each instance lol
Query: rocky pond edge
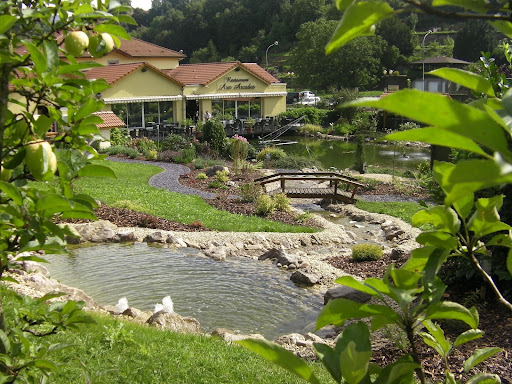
(300, 254)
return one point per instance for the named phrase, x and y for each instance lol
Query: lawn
(132, 185)
(401, 210)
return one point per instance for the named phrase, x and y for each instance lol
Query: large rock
(301, 277)
(99, 231)
(273, 253)
(230, 336)
(155, 237)
(174, 322)
(287, 259)
(217, 253)
(343, 292)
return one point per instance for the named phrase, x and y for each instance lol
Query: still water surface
(239, 294)
(341, 154)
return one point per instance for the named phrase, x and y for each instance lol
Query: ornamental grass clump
(366, 252)
(264, 205)
(249, 192)
(270, 153)
(281, 202)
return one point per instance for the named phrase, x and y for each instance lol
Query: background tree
(474, 37)
(358, 64)
(396, 33)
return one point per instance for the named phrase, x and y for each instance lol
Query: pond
(240, 294)
(341, 154)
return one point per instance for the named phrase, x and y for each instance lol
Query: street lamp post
(423, 45)
(266, 52)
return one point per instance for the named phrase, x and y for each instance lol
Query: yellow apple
(100, 44)
(40, 160)
(76, 42)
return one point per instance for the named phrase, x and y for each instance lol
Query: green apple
(40, 160)
(76, 42)
(100, 44)
(5, 174)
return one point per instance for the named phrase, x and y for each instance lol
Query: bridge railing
(336, 180)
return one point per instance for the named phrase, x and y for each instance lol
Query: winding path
(169, 178)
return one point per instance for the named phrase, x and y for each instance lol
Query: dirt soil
(495, 320)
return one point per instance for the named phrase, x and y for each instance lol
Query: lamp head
(276, 42)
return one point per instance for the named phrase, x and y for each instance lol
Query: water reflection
(341, 154)
(239, 294)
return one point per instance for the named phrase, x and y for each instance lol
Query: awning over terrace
(220, 96)
(141, 99)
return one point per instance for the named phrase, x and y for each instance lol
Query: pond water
(240, 294)
(341, 154)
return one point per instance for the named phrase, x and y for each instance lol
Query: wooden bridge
(340, 187)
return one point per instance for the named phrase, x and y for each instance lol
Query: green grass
(403, 211)
(132, 184)
(114, 351)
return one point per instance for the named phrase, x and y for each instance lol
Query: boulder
(273, 253)
(133, 312)
(174, 322)
(287, 259)
(305, 278)
(343, 292)
(103, 235)
(217, 253)
(126, 236)
(230, 336)
(98, 231)
(155, 237)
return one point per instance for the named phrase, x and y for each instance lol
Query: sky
(144, 4)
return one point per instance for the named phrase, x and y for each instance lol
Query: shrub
(216, 184)
(201, 176)
(167, 156)
(344, 129)
(272, 152)
(264, 205)
(310, 128)
(201, 163)
(143, 144)
(119, 137)
(222, 176)
(366, 252)
(174, 142)
(239, 147)
(408, 125)
(303, 217)
(151, 154)
(214, 134)
(186, 156)
(313, 115)
(281, 202)
(249, 192)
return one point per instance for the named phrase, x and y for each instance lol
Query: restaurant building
(148, 88)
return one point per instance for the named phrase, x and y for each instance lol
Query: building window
(112, 62)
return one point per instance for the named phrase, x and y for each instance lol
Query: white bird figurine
(166, 306)
(122, 305)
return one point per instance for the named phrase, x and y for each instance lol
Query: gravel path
(169, 178)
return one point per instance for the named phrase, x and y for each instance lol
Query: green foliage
(201, 176)
(310, 128)
(222, 176)
(127, 204)
(174, 142)
(303, 217)
(366, 252)
(214, 134)
(119, 137)
(143, 144)
(264, 205)
(36, 87)
(313, 115)
(239, 147)
(344, 129)
(151, 154)
(201, 163)
(249, 192)
(185, 156)
(216, 184)
(408, 125)
(281, 202)
(401, 210)
(270, 153)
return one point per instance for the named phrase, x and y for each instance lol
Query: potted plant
(249, 124)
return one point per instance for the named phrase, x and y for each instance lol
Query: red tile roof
(205, 73)
(116, 72)
(110, 120)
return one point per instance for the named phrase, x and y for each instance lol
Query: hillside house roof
(441, 60)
